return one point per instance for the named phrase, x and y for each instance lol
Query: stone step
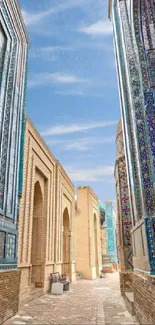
(129, 301)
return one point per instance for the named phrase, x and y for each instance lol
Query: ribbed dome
(101, 206)
(119, 129)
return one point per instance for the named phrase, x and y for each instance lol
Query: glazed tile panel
(13, 65)
(134, 33)
(125, 214)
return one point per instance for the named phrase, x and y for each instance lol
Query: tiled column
(134, 37)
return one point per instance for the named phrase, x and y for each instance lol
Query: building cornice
(90, 191)
(38, 138)
(65, 175)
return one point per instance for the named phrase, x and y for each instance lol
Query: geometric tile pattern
(12, 108)
(143, 157)
(135, 48)
(127, 121)
(111, 245)
(111, 232)
(150, 234)
(7, 102)
(10, 246)
(12, 100)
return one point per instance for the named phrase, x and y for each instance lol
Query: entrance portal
(66, 243)
(38, 239)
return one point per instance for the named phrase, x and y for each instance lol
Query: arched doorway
(95, 244)
(38, 239)
(66, 243)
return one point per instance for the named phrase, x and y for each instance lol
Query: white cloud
(48, 52)
(72, 128)
(90, 175)
(78, 92)
(101, 27)
(88, 143)
(67, 79)
(31, 19)
(51, 52)
(80, 144)
(43, 79)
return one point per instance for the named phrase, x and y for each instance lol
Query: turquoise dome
(101, 206)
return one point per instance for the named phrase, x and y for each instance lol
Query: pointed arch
(66, 242)
(38, 238)
(95, 242)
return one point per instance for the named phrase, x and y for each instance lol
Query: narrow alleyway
(88, 302)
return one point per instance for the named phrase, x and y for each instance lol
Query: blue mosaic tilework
(150, 235)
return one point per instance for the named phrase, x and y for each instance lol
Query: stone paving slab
(88, 302)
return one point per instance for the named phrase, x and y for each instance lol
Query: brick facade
(9, 294)
(126, 282)
(144, 297)
(47, 193)
(64, 234)
(88, 242)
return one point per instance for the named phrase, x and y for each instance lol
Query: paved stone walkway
(88, 302)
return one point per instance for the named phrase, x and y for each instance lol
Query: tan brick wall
(88, 242)
(47, 191)
(9, 294)
(64, 201)
(39, 168)
(126, 282)
(144, 297)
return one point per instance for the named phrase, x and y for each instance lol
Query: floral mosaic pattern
(125, 213)
(10, 99)
(126, 116)
(137, 103)
(150, 232)
(136, 53)
(150, 115)
(151, 67)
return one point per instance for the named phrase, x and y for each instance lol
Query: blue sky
(72, 95)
